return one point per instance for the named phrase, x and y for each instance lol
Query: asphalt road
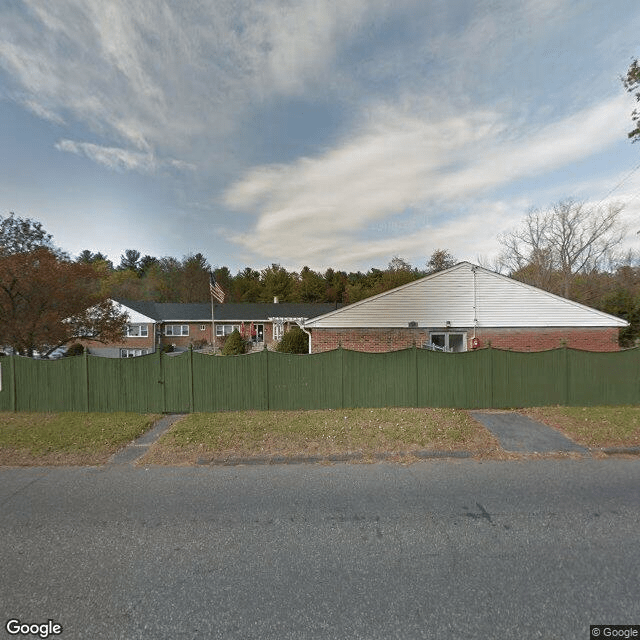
(438, 549)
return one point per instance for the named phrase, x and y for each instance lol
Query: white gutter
(307, 332)
(475, 301)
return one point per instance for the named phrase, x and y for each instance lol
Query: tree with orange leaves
(46, 300)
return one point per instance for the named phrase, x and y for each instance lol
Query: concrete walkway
(520, 434)
(139, 447)
(515, 432)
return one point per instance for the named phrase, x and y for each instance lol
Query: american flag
(215, 289)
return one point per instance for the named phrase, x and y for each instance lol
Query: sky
(312, 133)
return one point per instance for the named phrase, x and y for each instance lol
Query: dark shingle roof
(242, 311)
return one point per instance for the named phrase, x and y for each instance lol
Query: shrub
(294, 341)
(234, 345)
(75, 349)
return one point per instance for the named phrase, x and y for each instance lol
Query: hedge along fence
(190, 382)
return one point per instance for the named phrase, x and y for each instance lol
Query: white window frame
(133, 353)
(278, 330)
(176, 330)
(223, 330)
(446, 335)
(203, 327)
(137, 331)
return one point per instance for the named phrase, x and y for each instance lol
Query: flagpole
(213, 322)
(216, 292)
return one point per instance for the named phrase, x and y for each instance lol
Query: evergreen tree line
(169, 279)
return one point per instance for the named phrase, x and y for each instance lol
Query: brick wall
(96, 347)
(529, 339)
(372, 340)
(267, 332)
(525, 339)
(195, 334)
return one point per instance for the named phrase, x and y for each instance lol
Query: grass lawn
(67, 438)
(593, 426)
(91, 438)
(299, 433)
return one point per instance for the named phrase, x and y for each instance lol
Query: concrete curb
(612, 451)
(139, 447)
(345, 457)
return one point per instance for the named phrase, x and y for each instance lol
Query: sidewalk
(520, 434)
(139, 447)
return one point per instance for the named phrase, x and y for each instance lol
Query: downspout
(475, 302)
(307, 332)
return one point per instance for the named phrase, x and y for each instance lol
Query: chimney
(275, 299)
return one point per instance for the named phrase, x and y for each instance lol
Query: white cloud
(156, 74)
(171, 86)
(42, 112)
(112, 157)
(121, 159)
(401, 162)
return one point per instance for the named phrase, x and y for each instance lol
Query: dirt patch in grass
(45, 439)
(292, 434)
(593, 427)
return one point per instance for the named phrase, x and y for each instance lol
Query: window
(176, 330)
(137, 331)
(450, 342)
(226, 329)
(203, 327)
(132, 353)
(278, 330)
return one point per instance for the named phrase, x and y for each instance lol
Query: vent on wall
(413, 324)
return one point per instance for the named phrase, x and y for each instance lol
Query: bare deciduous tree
(440, 260)
(632, 84)
(553, 246)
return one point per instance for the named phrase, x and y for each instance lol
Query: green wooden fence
(190, 382)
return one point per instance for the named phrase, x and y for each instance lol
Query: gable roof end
(463, 296)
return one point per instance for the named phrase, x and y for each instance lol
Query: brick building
(463, 308)
(153, 325)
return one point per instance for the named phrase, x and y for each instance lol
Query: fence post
(266, 368)
(163, 401)
(415, 369)
(14, 391)
(86, 380)
(492, 381)
(565, 394)
(191, 400)
(341, 352)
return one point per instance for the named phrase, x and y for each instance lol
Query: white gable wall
(504, 302)
(134, 316)
(448, 296)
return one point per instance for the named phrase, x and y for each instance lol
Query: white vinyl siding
(447, 299)
(504, 302)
